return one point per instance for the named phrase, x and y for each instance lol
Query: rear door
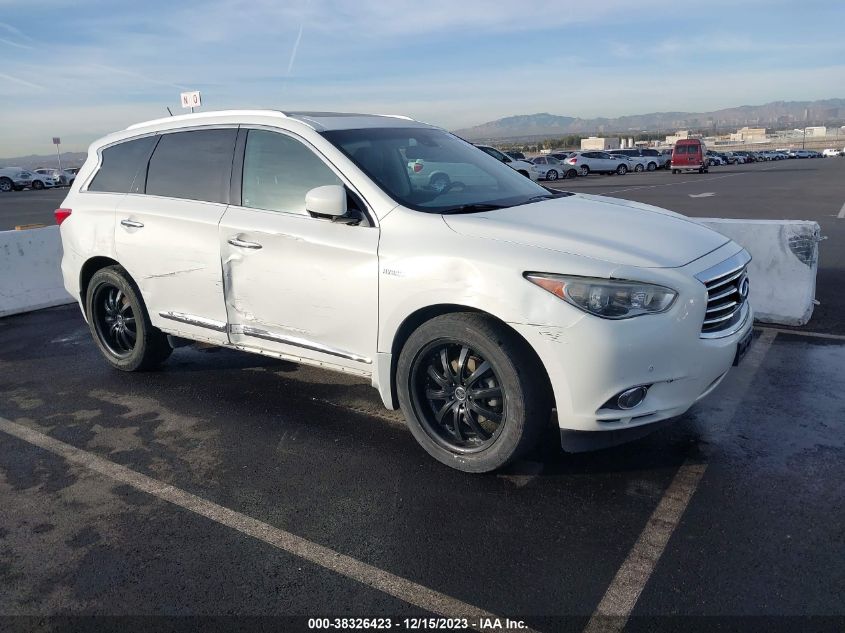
(166, 231)
(298, 285)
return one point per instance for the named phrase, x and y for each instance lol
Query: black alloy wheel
(460, 400)
(114, 320)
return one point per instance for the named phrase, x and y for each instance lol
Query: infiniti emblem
(460, 393)
(743, 288)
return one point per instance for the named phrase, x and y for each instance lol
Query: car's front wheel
(37, 184)
(621, 170)
(474, 395)
(639, 168)
(551, 175)
(119, 322)
(6, 185)
(572, 173)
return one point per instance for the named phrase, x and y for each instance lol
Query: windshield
(431, 170)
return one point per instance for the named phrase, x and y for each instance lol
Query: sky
(80, 69)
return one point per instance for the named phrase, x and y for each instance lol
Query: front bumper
(590, 360)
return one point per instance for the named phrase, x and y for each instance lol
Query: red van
(689, 153)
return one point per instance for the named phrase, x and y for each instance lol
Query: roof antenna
(168, 110)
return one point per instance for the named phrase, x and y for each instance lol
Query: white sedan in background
(550, 168)
(597, 162)
(524, 167)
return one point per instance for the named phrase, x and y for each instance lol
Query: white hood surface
(618, 231)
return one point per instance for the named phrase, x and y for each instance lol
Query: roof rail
(206, 115)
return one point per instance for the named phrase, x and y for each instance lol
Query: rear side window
(121, 164)
(193, 165)
(681, 149)
(279, 171)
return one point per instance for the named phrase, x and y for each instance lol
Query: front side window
(122, 166)
(279, 171)
(194, 165)
(431, 170)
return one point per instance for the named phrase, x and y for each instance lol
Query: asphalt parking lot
(230, 484)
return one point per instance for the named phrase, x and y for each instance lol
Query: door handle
(132, 224)
(242, 244)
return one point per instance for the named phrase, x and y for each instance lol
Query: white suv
(477, 307)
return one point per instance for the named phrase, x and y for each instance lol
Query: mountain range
(775, 114)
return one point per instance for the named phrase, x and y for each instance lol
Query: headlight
(607, 298)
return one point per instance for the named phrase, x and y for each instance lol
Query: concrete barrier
(783, 269)
(30, 274)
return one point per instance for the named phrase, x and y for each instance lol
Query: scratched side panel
(175, 260)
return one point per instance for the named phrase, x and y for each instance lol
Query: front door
(297, 285)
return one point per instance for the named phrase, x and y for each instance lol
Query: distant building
(597, 142)
(677, 136)
(817, 131)
(749, 135)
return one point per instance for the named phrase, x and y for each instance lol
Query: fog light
(630, 398)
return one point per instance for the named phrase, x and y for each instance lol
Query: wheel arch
(420, 316)
(89, 268)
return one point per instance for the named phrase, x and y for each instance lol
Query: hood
(617, 231)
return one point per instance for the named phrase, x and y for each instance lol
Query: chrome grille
(727, 295)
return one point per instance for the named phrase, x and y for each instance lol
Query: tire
(551, 174)
(111, 301)
(37, 185)
(652, 166)
(456, 347)
(622, 170)
(639, 168)
(701, 170)
(572, 173)
(674, 171)
(6, 185)
(585, 171)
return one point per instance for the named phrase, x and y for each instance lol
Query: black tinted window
(650, 152)
(193, 165)
(681, 149)
(121, 164)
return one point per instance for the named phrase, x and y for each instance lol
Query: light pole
(57, 142)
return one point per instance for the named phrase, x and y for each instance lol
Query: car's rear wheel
(551, 175)
(6, 185)
(473, 393)
(37, 184)
(639, 168)
(119, 322)
(585, 171)
(621, 170)
(572, 173)
(652, 166)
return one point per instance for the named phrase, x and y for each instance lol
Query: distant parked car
(522, 166)
(561, 154)
(14, 179)
(59, 177)
(516, 155)
(70, 176)
(596, 162)
(689, 154)
(44, 181)
(637, 163)
(713, 159)
(550, 168)
(654, 158)
(831, 152)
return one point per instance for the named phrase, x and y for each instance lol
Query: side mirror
(328, 200)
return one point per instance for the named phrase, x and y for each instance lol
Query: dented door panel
(300, 286)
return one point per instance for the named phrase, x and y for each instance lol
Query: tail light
(62, 215)
(418, 167)
(572, 161)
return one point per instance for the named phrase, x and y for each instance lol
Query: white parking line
(621, 596)
(396, 586)
(680, 182)
(841, 212)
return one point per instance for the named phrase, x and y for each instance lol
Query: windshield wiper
(473, 208)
